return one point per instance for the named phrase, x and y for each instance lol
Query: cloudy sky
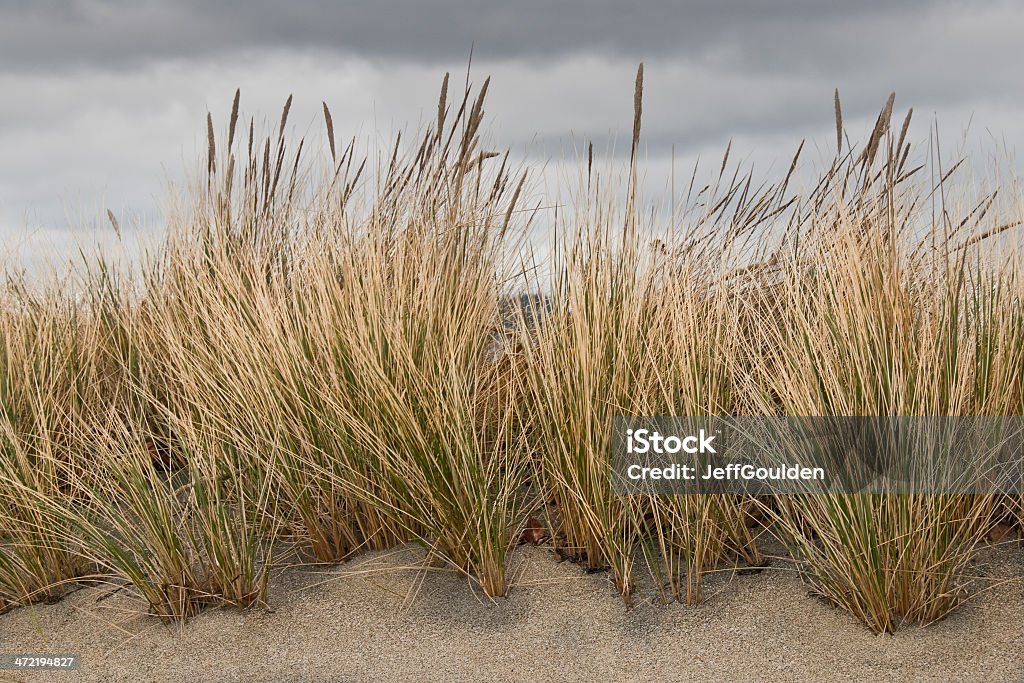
(102, 102)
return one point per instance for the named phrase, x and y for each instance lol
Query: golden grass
(329, 362)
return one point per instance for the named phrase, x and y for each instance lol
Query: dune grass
(47, 364)
(339, 353)
(879, 313)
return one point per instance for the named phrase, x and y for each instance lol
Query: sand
(378, 618)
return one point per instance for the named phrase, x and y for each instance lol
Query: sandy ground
(373, 620)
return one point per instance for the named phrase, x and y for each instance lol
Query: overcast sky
(102, 102)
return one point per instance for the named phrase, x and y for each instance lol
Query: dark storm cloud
(113, 33)
(932, 52)
(103, 101)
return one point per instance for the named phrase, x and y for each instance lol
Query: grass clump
(879, 311)
(50, 369)
(357, 358)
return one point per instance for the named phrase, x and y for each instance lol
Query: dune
(381, 617)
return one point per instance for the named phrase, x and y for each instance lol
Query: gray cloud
(115, 33)
(104, 101)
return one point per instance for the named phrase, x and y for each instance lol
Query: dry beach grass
(325, 362)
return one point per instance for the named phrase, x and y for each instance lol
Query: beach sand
(382, 618)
